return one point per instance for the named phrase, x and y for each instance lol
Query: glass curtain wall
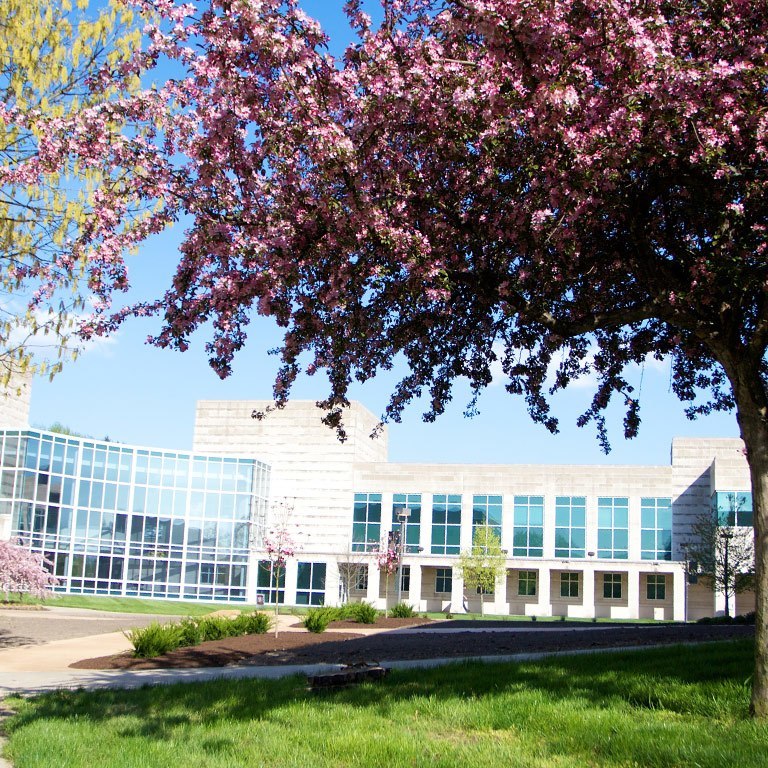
(122, 520)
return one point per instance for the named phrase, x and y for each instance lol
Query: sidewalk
(30, 669)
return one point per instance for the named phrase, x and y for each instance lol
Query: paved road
(21, 628)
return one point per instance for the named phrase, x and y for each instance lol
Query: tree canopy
(561, 186)
(49, 53)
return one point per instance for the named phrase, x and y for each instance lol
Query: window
(656, 529)
(526, 583)
(613, 527)
(656, 586)
(270, 582)
(528, 535)
(486, 510)
(570, 516)
(612, 586)
(733, 508)
(412, 503)
(444, 580)
(405, 578)
(569, 585)
(310, 584)
(446, 524)
(366, 522)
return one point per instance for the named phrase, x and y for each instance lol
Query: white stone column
(250, 589)
(588, 586)
(678, 595)
(425, 530)
(466, 522)
(543, 606)
(719, 603)
(500, 605)
(549, 527)
(332, 583)
(372, 595)
(457, 591)
(414, 590)
(633, 593)
(291, 572)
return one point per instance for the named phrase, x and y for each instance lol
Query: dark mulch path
(350, 648)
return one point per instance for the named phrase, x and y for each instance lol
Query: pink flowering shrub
(23, 571)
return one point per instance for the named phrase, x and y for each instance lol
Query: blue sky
(124, 389)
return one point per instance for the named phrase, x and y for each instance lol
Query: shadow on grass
(654, 679)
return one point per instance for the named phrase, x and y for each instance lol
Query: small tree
(723, 552)
(388, 561)
(24, 571)
(483, 565)
(279, 546)
(352, 570)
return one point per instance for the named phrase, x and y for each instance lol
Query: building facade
(580, 541)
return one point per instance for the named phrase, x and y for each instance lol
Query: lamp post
(403, 514)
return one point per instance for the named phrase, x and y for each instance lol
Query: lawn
(666, 707)
(138, 605)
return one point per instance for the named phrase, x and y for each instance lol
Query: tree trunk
(752, 415)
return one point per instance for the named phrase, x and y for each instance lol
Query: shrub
(154, 640)
(364, 613)
(402, 611)
(157, 639)
(318, 619)
(190, 632)
(253, 623)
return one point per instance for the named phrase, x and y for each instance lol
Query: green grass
(139, 605)
(669, 707)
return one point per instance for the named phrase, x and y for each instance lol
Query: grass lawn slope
(676, 706)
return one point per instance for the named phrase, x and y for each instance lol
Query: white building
(580, 541)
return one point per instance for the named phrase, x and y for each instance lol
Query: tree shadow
(638, 679)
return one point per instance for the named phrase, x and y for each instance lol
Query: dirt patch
(427, 642)
(381, 623)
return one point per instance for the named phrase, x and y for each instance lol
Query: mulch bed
(350, 648)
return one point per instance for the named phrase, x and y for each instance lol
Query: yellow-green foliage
(48, 48)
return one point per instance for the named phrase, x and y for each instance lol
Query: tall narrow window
(656, 586)
(366, 522)
(570, 531)
(443, 580)
(526, 583)
(406, 514)
(656, 529)
(612, 586)
(569, 585)
(446, 524)
(486, 511)
(613, 527)
(528, 536)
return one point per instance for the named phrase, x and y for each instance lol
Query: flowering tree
(561, 186)
(279, 545)
(24, 571)
(388, 562)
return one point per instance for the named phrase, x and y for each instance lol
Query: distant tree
(279, 545)
(24, 572)
(63, 429)
(724, 553)
(388, 562)
(483, 565)
(353, 569)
